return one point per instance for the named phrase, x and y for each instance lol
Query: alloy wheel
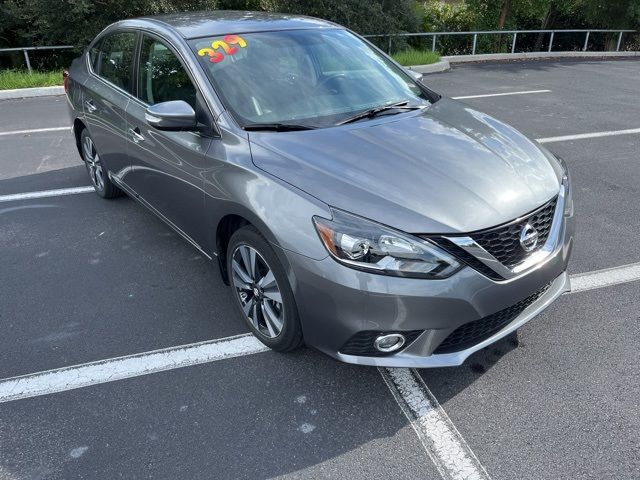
(257, 290)
(93, 163)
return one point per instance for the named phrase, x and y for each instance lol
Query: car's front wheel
(96, 170)
(262, 291)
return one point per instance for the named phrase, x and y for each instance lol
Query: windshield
(307, 77)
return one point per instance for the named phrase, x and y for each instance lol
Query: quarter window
(94, 55)
(116, 59)
(162, 77)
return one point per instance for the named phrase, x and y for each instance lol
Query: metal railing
(390, 36)
(515, 33)
(26, 51)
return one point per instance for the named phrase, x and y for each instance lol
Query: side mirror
(173, 116)
(416, 75)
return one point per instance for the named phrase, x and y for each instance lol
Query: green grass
(10, 79)
(415, 57)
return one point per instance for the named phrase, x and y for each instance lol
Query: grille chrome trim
(505, 242)
(534, 260)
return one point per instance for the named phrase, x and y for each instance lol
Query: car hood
(446, 169)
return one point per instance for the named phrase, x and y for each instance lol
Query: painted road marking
(45, 193)
(582, 136)
(485, 95)
(606, 277)
(450, 453)
(144, 363)
(444, 445)
(102, 371)
(35, 130)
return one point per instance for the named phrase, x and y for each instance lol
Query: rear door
(167, 166)
(106, 95)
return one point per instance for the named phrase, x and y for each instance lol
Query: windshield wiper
(276, 127)
(378, 110)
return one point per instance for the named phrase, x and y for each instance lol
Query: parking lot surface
(84, 279)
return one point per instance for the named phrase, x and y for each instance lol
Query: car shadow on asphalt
(446, 383)
(68, 177)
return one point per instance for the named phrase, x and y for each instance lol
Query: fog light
(389, 343)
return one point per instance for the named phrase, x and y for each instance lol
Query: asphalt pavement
(84, 279)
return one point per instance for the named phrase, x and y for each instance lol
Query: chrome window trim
(88, 60)
(140, 31)
(551, 246)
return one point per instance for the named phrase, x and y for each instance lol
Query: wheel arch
(228, 225)
(78, 127)
(282, 214)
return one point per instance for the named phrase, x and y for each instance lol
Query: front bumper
(413, 355)
(336, 302)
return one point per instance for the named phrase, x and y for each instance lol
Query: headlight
(367, 245)
(566, 181)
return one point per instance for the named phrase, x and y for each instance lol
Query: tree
(76, 22)
(370, 17)
(610, 14)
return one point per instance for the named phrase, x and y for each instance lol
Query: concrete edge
(31, 92)
(536, 56)
(441, 66)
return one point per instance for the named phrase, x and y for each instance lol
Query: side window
(94, 55)
(161, 75)
(116, 59)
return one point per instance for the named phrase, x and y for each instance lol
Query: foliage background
(76, 22)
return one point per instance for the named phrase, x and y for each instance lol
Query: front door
(167, 166)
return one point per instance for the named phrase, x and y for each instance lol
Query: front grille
(504, 242)
(466, 257)
(362, 343)
(475, 332)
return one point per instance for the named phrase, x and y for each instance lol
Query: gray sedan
(349, 207)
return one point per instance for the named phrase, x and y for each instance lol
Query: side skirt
(150, 207)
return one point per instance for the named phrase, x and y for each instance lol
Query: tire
(96, 170)
(258, 281)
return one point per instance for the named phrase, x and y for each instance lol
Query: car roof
(219, 22)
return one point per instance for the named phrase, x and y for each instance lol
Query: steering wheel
(330, 78)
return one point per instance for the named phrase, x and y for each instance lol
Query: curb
(441, 66)
(488, 57)
(31, 92)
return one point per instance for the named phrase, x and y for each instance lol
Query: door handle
(90, 106)
(136, 136)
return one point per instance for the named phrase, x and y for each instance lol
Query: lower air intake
(475, 332)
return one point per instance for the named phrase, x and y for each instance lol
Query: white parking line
(451, 455)
(582, 136)
(118, 368)
(504, 94)
(45, 193)
(34, 130)
(605, 278)
(448, 450)
(102, 371)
